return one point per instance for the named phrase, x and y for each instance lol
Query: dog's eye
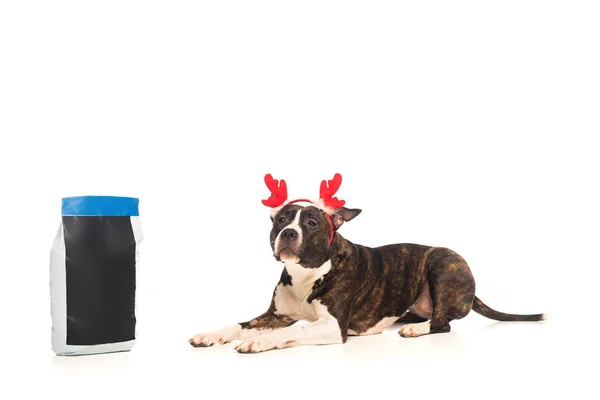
(281, 219)
(312, 223)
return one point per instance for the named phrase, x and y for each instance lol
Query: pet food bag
(93, 275)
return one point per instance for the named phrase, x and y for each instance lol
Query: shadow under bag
(93, 275)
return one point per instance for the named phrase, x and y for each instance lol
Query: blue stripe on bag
(100, 206)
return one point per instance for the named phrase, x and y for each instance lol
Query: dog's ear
(344, 214)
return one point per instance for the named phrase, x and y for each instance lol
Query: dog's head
(304, 234)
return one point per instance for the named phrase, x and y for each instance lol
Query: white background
(468, 125)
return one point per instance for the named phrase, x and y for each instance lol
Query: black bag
(93, 275)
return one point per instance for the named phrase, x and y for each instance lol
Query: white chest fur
(291, 300)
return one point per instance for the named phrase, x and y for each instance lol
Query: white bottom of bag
(70, 350)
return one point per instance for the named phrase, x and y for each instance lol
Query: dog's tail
(480, 308)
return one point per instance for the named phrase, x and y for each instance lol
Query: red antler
(328, 189)
(278, 192)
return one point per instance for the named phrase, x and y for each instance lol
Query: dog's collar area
(332, 231)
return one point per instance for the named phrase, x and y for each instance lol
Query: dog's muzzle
(289, 245)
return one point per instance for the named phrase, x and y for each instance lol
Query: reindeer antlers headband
(326, 200)
(328, 189)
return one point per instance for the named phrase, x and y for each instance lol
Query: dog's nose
(289, 235)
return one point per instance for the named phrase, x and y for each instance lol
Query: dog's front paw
(208, 339)
(259, 344)
(255, 345)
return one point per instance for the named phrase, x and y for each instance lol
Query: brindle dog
(342, 288)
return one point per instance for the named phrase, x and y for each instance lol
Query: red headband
(329, 203)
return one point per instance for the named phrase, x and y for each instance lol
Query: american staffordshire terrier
(341, 288)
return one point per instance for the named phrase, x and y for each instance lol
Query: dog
(344, 289)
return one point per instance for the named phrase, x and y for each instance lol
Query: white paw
(414, 330)
(254, 345)
(208, 339)
(259, 344)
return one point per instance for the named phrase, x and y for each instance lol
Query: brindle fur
(385, 281)
(268, 320)
(366, 284)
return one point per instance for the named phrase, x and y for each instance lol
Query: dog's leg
(265, 323)
(452, 290)
(325, 330)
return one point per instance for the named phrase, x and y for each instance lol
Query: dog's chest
(291, 299)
